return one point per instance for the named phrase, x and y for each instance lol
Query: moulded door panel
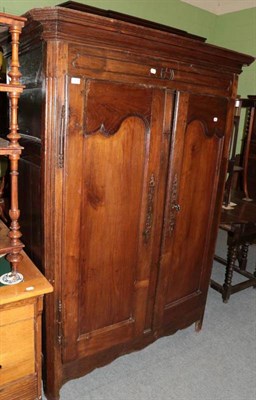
(115, 168)
(196, 152)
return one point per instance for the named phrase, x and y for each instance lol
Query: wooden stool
(240, 225)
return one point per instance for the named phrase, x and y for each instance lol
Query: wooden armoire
(127, 127)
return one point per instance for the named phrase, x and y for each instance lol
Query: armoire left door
(115, 167)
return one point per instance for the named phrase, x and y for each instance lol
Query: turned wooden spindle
(14, 257)
(15, 74)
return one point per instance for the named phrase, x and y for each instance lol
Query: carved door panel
(115, 171)
(196, 149)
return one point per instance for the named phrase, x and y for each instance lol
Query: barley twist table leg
(244, 255)
(231, 258)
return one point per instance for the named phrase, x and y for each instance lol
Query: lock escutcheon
(176, 207)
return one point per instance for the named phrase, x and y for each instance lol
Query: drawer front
(24, 389)
(109, 65)
(17, 350)
(16, 314)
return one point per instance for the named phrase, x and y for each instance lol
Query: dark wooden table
(240, 225)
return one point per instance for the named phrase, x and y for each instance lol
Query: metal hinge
(62, 137)
(59, 322)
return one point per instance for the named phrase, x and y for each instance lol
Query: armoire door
(194, 167)
(115, 169)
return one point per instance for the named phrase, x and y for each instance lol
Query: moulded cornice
(57, 23)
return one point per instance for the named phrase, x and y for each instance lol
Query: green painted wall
(236, 31)
(169, 12)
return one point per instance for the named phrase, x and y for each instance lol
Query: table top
(243, 213)
(34, 283)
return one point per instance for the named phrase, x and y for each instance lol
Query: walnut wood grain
(117, 103)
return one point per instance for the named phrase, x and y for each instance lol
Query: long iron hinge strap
(59, 322)
(62, 137)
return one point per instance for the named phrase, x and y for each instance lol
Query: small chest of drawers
(20, 335)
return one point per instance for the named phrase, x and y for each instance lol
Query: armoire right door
(194, 168)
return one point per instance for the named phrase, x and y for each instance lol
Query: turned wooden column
(14, 257)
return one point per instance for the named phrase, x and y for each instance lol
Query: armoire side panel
(31, 124)
(31, 199)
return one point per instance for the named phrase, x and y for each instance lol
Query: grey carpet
(219, 363)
